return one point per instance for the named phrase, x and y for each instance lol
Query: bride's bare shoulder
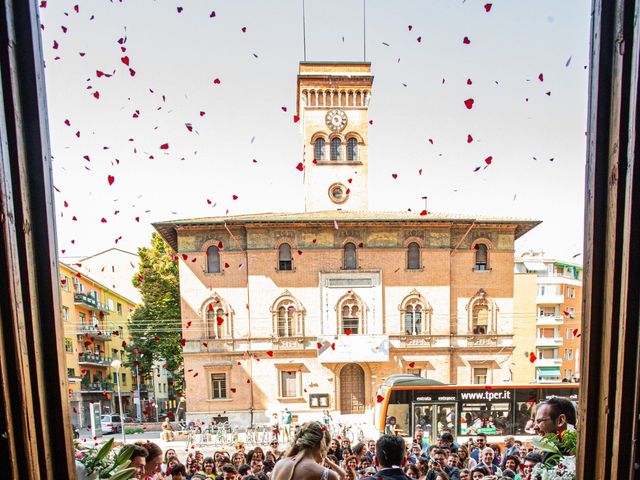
(306, 470)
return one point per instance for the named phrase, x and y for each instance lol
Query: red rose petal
(319, 345)
(300, 167)
(419, 39)
(164, 146)
(111, 179)
(270, 353)
(469, 82)
(219, 320)
(541, 77)
(183, 342)
(347, 331)
(412, 364)
(423, 213)
(469, 139)
(296, 119)
(96, 94)
(488, 388)
(488, 160)
(469, 103)
(487, 7)
(532, 357)
(394, 175)
(233, 390)
(380, 398)
(212, 14)
(125, 60)
(466, 40)
(216, 81)
(333, 346)
(410, 27)
(244, 29)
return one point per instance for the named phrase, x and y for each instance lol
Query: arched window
(350, 315)
(288, 316)
(284, 257)
(215, 327)
(415, 315)
(213, 260)
(413, 256)
(350, 256)
(480, 319)
(336, 149)
(482, 256)
(319, 149)
(352, 149)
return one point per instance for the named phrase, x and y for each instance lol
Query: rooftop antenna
(304, 33)
(364, 29)
(425, 203)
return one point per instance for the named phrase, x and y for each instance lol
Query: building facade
(313, 310)
(558, 301)
(95, 322)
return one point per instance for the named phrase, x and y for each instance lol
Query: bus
(407, 401)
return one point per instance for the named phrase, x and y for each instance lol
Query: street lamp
(117, 364)
(156, 371)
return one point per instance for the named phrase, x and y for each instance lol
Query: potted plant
(94, 463)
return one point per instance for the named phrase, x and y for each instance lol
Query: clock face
(336, 120)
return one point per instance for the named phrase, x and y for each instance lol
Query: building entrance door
(351, 389)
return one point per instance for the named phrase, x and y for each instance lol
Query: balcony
(96, 387)
(94, 332)
(549, 362)
(550, 299)
(94, 359)
(89, 301)
(491, 340)
(548, 342)
(212, 345)
(406, 340)
(549, 320)
(353, 348)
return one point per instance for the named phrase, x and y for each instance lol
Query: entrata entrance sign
(353, 348)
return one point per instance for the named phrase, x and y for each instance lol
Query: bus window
(398, 420)
(485, 417)
(525, 415)
(445, 418)
(423, 418)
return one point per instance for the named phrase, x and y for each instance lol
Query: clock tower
(333, 103)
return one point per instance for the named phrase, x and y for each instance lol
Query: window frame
(223, 386)
(335, 149)
(322, 149)
(282, 262)
(281, 384)
(213, 259)
(352, 149)
(410, 265)
(346, 266)
(474, 375)
(480, 266)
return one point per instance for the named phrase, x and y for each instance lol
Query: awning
(535, 266)
(548, 372)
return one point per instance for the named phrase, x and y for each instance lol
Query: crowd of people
(312, 454)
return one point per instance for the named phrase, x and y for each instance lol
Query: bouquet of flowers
(559, 456)
(94, 463)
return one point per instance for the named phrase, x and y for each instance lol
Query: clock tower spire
(333, 104)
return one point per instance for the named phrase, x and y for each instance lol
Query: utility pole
(139, 406)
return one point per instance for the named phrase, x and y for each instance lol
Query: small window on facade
(350, 256)
(213, 260)
(71, 372)
(413, 256)
(284, 257)
(481, 256)
(350, 313)
(288, 384)
(68, 345)
(480, 319)
(413, 319)
(352, 149)
(336, 149)
(119, 308)
(218, 386)
(215, 328)
(480, 376)
(319, 149)
(65, 314)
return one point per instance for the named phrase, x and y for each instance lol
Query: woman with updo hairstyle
(152, 469)
(306, 458)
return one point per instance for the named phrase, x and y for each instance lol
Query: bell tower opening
(333, 106)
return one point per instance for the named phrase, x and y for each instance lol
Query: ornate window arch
(415, 314)
(351, 312)
(217, 316)
(287, 315)
(482, 314)
(482, 246)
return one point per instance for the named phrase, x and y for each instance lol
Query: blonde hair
(312, 435)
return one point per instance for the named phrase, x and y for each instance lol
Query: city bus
(407, 401)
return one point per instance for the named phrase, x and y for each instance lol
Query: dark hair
(559, 406)
(511, 457)
(480, 468)
(441, 474)
(228, 468)
(390, 450)
(482, 435)
(447, 437)
(496, 447)
(333, 458)
(179, 468)
(508, 473)
(139, 451)
(533, 457)
(412, 467)
(357, 450)
(262, 476)
(249, 477)
(439, 451)
(243, 469)
(152, 449)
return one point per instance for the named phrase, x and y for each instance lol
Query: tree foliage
(155, 325)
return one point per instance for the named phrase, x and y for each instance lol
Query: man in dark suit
(390, 458)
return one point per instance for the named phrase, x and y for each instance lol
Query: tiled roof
(168, 229)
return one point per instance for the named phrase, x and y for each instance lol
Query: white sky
(178, 55)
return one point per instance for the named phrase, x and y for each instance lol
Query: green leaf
(124, 455)
(545, 444)
(106, 448)
(123, 474)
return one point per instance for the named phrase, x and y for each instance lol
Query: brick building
(313, 310)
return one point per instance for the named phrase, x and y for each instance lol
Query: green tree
(155, 325)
